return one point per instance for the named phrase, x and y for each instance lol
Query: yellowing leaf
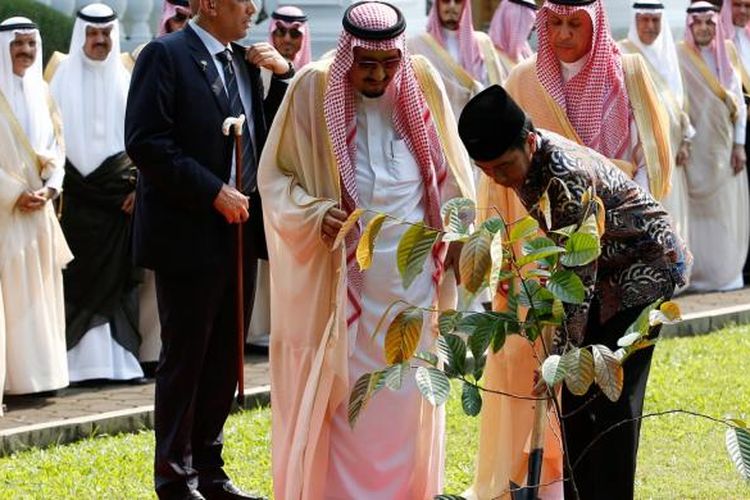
(366, 243)
(667, 314)
(580, 370)
(403, 334)
(413, 248)
(608, 373)
(364, 388)
(475, 261)
(586, 197)
(601, 216)
(524, 228)
(349, 223)
(496, 254)
(546, 209)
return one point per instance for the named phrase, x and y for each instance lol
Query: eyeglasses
(294, 33)
(388, 65)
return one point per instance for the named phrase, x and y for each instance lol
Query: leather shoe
(193, 495)
(227, 491)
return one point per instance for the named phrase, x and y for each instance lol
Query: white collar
(213, 45)
(569, 70)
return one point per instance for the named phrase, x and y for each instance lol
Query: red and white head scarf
(169, 9)
(727, 23)
(470, 54)
(595, 100)
(717, 45)
(411, 119)
(511, 26)
(304, 55)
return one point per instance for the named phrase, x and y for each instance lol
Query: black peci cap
(489, 123)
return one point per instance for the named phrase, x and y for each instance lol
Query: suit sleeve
(149, 132)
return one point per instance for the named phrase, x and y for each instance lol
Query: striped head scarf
(170, 9)
(595, 100)
(290, 17)
(375, 23)
(470, 54)
(727, 23)
(511, 26)
(717, 45)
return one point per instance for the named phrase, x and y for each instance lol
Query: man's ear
(531, 142)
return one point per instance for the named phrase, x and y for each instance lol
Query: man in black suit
(184, 85)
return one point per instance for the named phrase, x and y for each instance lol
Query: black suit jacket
(176, 108)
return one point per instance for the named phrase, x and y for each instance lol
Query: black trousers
(196, 374)
(607, 469)
(746, 267)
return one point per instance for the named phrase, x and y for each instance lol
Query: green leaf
(447, 321)
(558, 310)
(449, 497)
(471, 400)
(475, 261)
(533, 294)
(608, 373)
(539, 249)
(579, 375)
(523, 228)
(583, 245)
(553, 371)
(403, 335)
(347, 226)
(394, 375)
(468, 322)
(738, 446)
(453, 349)
(427, 357)
(566, 286)
(366, 243)
(413, 248)
(566, 231)
(641, 324)
(498, 336)
(496, 254)
(458, 215)
(494, 225)
(433, 384)
(489, 326)
(479, 364)
(364, 388)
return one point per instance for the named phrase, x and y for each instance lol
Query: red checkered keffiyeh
(471, 55)
(411, 119)
(595, 100)
(718, 47)
(510, 28)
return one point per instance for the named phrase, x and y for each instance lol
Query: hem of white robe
(98, 355)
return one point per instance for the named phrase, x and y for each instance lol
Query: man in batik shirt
(642, 260)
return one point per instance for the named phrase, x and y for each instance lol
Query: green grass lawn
(681, 457)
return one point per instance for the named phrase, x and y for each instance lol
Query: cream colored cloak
(459, 84)
(33, 252)
(299, 181)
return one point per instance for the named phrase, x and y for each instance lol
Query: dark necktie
(248, 166)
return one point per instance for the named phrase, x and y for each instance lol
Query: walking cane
(237, 123)
(536, 446)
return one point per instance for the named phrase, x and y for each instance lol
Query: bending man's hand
(264, 55)
(232, 204)
(738, 158)
(332, 222)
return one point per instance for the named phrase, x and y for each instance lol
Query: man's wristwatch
(289, 74)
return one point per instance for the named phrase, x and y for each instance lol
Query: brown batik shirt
(642, 258)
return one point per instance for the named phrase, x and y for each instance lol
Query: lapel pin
(204, 65)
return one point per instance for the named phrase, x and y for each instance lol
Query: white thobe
(742, 42)
(382, 457)
(454, 49)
